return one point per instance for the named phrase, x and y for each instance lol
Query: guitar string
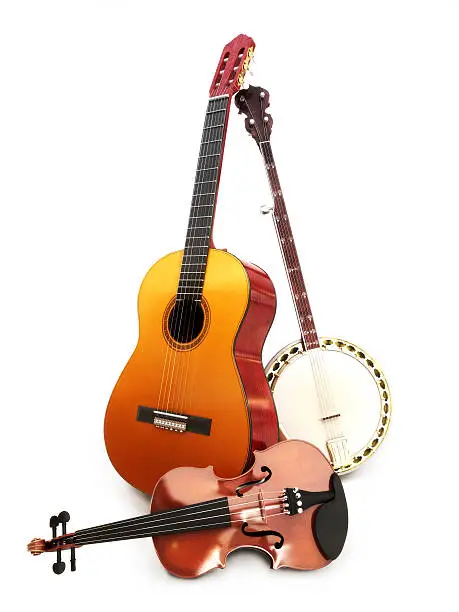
(177, 317)
(216, 146)
(317, 370)
(217, 124)
(180, 302)
(178, 310)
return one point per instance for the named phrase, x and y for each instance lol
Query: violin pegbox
(253, 102)
(58, 543)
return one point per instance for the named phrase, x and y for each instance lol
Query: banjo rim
(293, 351)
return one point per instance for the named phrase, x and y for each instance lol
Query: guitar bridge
(174, 421)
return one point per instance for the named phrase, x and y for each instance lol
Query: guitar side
(214, 384)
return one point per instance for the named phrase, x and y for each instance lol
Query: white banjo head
(359, 391)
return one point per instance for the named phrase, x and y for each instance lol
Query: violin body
(293, 463)
(217, 378)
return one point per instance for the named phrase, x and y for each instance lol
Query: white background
(101, 111)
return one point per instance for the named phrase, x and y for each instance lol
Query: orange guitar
(194, 391)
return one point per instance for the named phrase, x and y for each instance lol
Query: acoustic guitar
(290, 504)
(327, 390)
(194, 391)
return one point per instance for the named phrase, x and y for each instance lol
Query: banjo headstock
(253, 102)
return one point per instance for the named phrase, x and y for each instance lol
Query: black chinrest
(330, 522)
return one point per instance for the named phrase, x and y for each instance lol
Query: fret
(211, 141)
(195, 195)
(217, 110)
(202, 217)
(202, 182)
(196, 238)
(207, 169)
(197, 272)
(211, 155)
(190, 264)
(211, 127)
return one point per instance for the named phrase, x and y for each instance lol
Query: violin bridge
(338, 451)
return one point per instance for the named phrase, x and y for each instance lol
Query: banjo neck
(284, 233)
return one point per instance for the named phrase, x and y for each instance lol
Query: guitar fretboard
(204, 198)
(289, 253)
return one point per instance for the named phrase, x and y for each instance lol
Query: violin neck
(196, 517)
(289, 253)
(200, 223)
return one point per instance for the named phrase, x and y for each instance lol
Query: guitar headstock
(253, 102)
(232, 67)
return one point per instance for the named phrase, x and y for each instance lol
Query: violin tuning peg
(64, 517)
(72, 560)
(54, 522)
(59, 567)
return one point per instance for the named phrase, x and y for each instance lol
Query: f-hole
(186, 320)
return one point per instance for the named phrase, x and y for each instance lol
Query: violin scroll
(36, 546)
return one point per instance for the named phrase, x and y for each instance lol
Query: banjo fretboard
(289, 253)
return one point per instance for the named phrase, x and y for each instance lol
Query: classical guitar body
(194, 391)
(215, 379)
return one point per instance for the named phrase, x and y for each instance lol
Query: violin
(196, 378)
(289, 504)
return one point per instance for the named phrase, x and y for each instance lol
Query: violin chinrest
(330, 522)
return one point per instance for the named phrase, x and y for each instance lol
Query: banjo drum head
(350, 385)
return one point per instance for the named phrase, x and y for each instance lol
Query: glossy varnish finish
(221, 378)
(294, 463)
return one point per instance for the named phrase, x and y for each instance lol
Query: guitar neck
(200, 223)
(289, 253)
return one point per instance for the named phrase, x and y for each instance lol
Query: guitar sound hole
(186, 321)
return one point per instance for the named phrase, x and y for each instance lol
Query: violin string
(158, 530)
(151, 519)
(167, 522)
(200, 505)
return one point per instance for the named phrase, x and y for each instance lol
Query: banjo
(327, 390)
